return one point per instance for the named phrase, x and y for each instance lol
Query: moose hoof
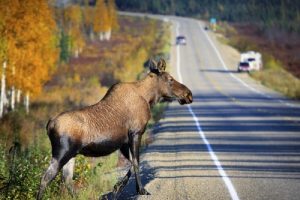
(108, 196)
(143, 191)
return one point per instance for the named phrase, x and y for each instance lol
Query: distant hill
(281, 14)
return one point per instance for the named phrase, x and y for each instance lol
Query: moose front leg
(121, 184)
(135, 141)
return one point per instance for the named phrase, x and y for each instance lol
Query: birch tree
(29, 31)
(88, 15)
(112, 15)
(3, 87)
(73, 25)
(101, 23)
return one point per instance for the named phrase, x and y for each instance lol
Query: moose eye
(171, 80)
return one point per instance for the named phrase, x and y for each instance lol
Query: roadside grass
(24, 146)
(99, 177)
(274, 74)
(280, 80)
(158, 109)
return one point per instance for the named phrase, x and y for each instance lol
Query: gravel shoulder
(256, 138)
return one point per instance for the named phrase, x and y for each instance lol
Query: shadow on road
(262, 138)
(129, 192)
(267, 129)
(219, 71)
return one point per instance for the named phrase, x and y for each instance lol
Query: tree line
(37, 35)
(282, 14)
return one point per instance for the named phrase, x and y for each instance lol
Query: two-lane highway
(238, 140)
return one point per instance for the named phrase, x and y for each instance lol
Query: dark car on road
(243, 67)
(181, 40)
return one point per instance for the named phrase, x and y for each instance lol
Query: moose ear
(153, 66)
(161, 65)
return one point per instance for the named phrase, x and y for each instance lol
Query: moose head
(169, 88)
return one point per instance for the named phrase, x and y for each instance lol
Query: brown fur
(112, 123)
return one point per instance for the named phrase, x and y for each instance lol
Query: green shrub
(20, 174)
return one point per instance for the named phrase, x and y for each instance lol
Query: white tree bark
(2, 96)
(19, 92)
(101, 36)
(107, 35)
(27, 101)
(13, 96)
(76, 54)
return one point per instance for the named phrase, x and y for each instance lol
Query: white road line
(236, 78)
(213, 156)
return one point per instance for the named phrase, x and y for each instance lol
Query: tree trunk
(13, 97)
(76, 53)
(108, 35)
(101, 36)
(19, 92)
(2, 96)
(27, 99)
(92, 36)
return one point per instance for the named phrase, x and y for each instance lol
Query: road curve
(238, 140)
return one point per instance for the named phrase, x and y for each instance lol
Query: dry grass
(274, 73)
(81, 82)
(280, 80)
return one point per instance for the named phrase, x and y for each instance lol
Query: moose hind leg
(49, 175)
(62, 152)
(67, 175)
(119, 186)
(135, 142)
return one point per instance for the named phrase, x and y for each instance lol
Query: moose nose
(189, 96)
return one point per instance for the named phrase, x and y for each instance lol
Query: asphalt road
(238, 140)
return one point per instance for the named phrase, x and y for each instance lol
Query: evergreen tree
(275, 13)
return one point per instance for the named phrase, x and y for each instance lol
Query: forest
(282, 14)
(60, 57)
(28, 58)
(271, 27)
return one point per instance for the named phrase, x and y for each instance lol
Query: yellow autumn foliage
(101, 17)
(112, 13)
(73, 18)
(29, 31)
(105, 16)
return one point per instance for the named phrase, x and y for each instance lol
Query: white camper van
(250, 61)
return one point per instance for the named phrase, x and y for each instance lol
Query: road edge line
(236, 78)
(213, 156)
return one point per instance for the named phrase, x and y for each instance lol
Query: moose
(117, 121)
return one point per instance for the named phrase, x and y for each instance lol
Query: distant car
(181, 40)
(253, 58)
(244, 67)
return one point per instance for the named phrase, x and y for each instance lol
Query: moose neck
(149, 89)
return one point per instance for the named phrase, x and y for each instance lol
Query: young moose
(118, 121)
